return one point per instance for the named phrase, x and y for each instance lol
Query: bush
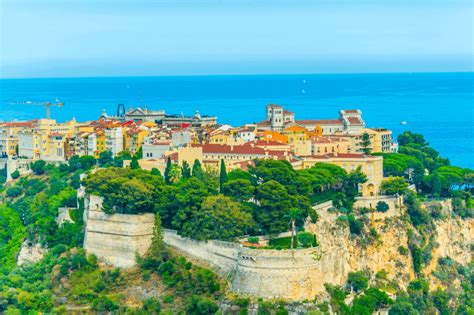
(358, 280)
(382, 206)
(355, 226)
(307, 239)
(38, 167)
(104, 304)
(14, 192)
(15, 174)
(152, 306)
(402, 250)
(199, 305)
(253, 240)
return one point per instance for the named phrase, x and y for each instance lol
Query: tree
(122, 156)
(105, 158)
(197, 169)
(155, 172)
(222, 175)
(355, 225)
(167, 171)
(38, 167)
(157, 252)
(274, 204)
(15, 174)
(12, 233)
(188, 199)
(240, 189)
(87, 162)
(408, 137)
(293, 215)
(134, 164)
(365, 143)
(382, 206)
(174, 174)
(402, 308)
(220, 217)
(186, 171)
(358, 281)
(394, 185)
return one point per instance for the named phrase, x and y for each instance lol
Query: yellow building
(329, 144)
(295, 134)
(380, 139)
(133, 139)
(9, 136)
(274, 136)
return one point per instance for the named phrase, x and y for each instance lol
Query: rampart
(116, 239)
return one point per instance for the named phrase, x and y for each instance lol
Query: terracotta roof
(19, 124)
(264, 123)
(274, 105)
(354, 120)
(245, 149)
(287, 112)
(319, 122)
(265, 142)
(351, 111)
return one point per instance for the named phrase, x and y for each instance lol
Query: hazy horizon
(231, 75)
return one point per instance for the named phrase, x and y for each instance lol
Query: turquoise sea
(438, 105)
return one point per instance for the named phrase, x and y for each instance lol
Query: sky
(74, 38)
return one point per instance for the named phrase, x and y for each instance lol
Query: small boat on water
(403, 122)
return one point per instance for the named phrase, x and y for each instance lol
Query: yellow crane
(47, 105)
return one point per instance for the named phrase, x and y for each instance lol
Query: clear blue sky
(49, 38)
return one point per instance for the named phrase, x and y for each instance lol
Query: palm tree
(293, 215)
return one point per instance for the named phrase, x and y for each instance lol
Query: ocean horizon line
(240, 75)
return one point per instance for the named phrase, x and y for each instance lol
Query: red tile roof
(19, 124)
(354, 121)
(264, 123)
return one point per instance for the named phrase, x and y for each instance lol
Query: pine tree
(186, 171)
(197, 169)
(167, 171)
(223, 175)
(365, 143)
(134, 164)
(157, 249)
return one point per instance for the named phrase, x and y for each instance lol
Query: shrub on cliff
(358, 281)
(382, 206)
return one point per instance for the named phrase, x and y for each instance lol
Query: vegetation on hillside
(270, 197)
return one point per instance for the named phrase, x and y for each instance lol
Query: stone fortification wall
(265, 273)
(222, 256)
(116, 239)
(371, 202)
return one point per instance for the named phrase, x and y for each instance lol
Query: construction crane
(47, 105)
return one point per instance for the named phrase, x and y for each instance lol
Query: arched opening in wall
(371, 189)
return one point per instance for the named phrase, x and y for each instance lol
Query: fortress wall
(222, 256)
(265, 273)
(116, 239)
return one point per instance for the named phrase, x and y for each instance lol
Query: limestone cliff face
(341, 253)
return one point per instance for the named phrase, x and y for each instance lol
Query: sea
(438, 105)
